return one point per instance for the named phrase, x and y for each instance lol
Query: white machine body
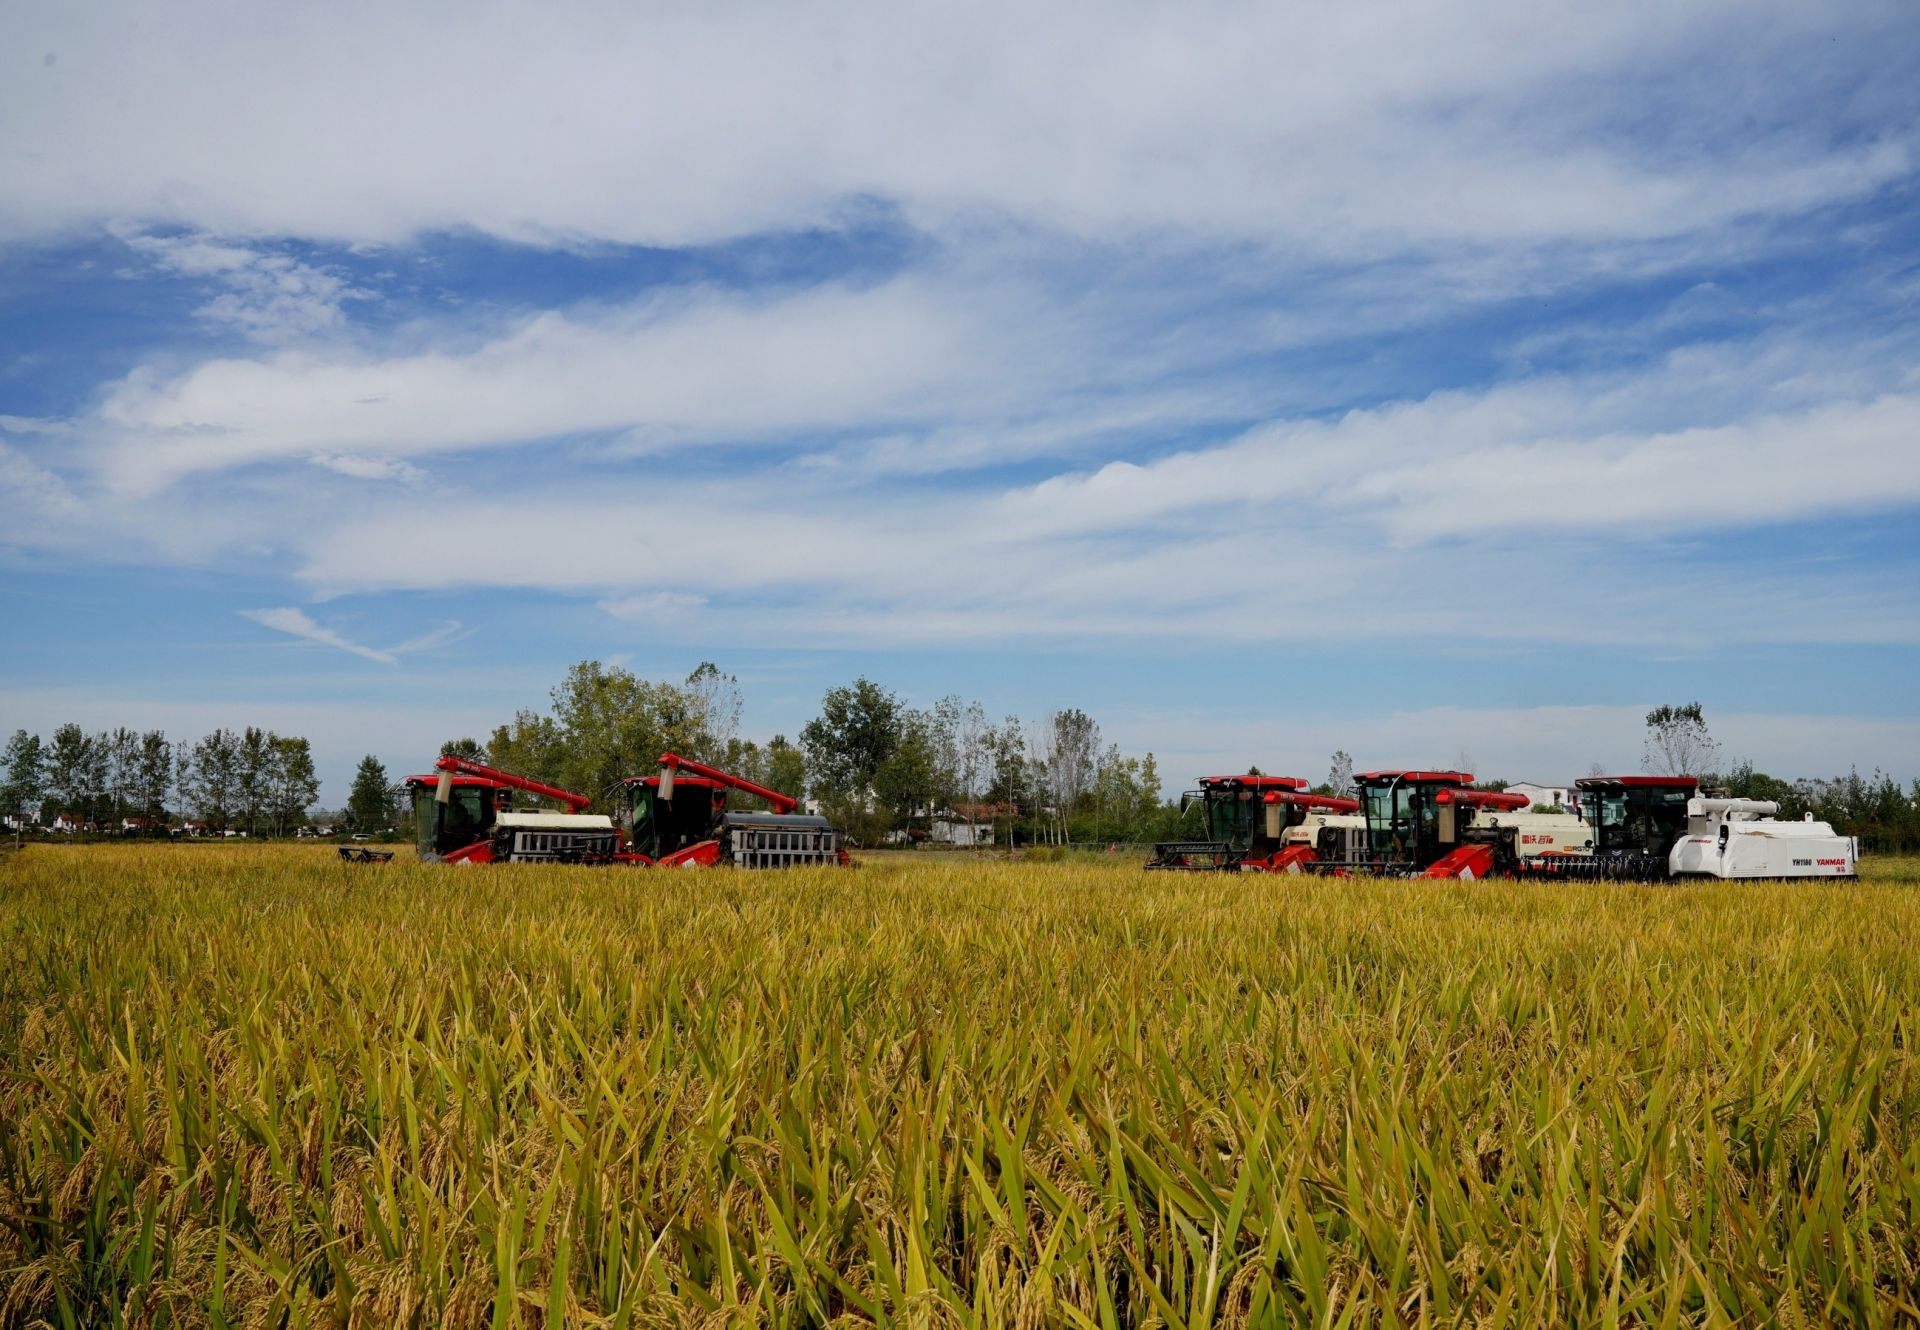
(1735, 838)
(1535, 834)
(1351, 826)
(534, 837)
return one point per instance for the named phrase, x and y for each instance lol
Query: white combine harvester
(1742, 838)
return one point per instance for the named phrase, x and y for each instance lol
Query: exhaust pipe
(667, 771)
(443, 788)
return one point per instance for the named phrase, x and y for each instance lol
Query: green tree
(293, 784)
(530, 746)
(208, 775)
(717, 704)
(370, 800)
(1678, 743)
(855, 733)
(908, 779)
(26, 783)
(1009, 769)
(786, 768)
(1743, 782)
(1340, 777)
(1069, 765)
(153, 775)
(72, 778)
(122, 753)
(468, 748)
(253, 776)
(613, 724)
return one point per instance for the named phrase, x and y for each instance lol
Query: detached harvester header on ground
(679, 818)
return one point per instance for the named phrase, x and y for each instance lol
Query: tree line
(876, 765)
(250, 780)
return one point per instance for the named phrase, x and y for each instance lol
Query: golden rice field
(245, 1086)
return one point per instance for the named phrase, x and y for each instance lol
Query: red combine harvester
(680, 819)
(1434, 824)
(463, 815)
(1255, 824)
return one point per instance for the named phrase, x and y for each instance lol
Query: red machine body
(462, 816)
(679, 819)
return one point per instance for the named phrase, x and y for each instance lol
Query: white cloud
(444, 635)
(270, 297)
(1364, 125)
(1274, 534)
(370, 468)
(33, 499)
(1549, 455)
(692, 365)
(654, 606)
(298, 623)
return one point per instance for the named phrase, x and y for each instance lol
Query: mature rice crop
(241, 1086)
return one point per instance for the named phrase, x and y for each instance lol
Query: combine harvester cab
(462, 815)
(1266, 824)
(1635, 822)
(1741, 838)
(680, 819)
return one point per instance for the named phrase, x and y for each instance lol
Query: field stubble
(241, 1086)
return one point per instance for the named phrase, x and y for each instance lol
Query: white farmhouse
(1566, 794)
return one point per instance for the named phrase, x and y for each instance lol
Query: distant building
(968, 824)
(1566, 796)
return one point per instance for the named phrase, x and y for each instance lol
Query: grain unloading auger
(1257, 824)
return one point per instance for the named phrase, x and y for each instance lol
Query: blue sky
(1433, 383)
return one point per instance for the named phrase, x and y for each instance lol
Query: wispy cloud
(297, 623)
(370, 468)
(686, 367)
(269, 297)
